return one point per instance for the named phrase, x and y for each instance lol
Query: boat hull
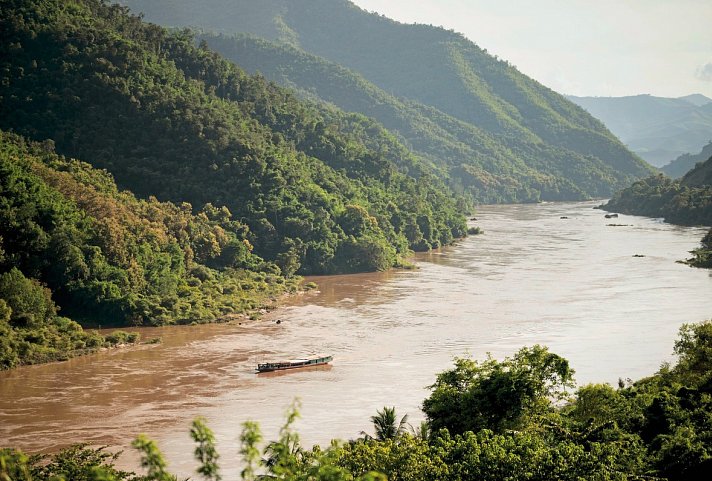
(297, 364)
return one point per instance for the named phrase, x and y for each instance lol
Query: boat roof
(303, 359)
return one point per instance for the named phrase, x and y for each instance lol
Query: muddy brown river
(572, 284)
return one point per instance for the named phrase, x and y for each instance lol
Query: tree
(497, 395)
(152, 459)
(596, 404)
(289, 260)
(384, 424)
(250, 438)
(356, 221)
(694, 351)
(5, 312)
(30, 303)
(205, 451)
(78, 463)
(405, 458)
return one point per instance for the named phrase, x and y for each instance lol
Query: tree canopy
(72, 244)
(495, 395)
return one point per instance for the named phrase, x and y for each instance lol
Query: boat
(293, 364)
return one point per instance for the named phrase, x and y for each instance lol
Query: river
(570, 283)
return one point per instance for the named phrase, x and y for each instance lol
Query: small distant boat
(293, 364)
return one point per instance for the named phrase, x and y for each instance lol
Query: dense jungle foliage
(495, 134)
(687, 201)
(488, 421)
(313, 189)
(70, 241)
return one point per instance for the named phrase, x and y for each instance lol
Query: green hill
(660, 196)
(488, 127)
(318, 189)
(468, 158)
(687, 201)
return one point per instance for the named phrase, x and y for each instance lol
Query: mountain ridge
(431, 133)
(438, 69)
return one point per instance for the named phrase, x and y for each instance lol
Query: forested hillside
(311, 188)
(686, 162)
(687, 201)
(470, 159)
(496, 134)
(71, 242)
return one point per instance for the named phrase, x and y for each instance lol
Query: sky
(583, 47)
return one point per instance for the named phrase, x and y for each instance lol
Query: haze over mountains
(658, 129)
(491, 132)
(683, 164)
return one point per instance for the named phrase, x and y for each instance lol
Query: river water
(571, 283)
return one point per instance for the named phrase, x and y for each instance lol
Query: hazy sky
(583, 47)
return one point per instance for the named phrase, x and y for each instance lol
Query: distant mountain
(658, 129)
(686, 162)
(696, 99)
(492, 132)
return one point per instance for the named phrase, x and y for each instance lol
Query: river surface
(572, 284)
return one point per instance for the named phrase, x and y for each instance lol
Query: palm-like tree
(385, 426)
(422, 431)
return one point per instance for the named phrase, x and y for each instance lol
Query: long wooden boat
(293, 364)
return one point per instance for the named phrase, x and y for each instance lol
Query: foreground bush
(656, 428)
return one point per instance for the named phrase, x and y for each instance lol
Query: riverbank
(62, 338)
